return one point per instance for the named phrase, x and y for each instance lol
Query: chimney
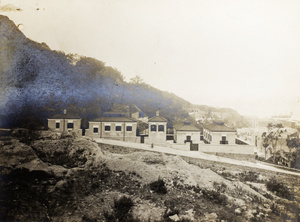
(65, 111)
(157, 113)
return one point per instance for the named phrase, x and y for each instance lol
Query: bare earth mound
(67, 179)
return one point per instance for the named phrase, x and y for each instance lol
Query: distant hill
(36, 82)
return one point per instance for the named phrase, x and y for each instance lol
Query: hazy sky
(243, 54)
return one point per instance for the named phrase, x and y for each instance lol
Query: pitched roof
(136, 109)
(114, 119)
(65, 116)
(218, 127)
(114, 114)
(157, 119)
(185, 127)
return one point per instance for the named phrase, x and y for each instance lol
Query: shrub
(279, 188)
(158, 187)
(220, 187)
(215, 196)
(249, 176)
(121, 211)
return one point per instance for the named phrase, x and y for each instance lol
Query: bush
(249, 176)
(121, 211)
(279, 188)
(215, 196)
(158, 187)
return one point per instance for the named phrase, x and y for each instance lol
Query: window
(223, 141)
(128, 128)
(153, 128)
(70, 125)
(107, 128)
(118, 128)
(161, 128)
(95, 130)
(57, 125)
(188, 138)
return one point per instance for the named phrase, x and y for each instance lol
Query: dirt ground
(62, 178)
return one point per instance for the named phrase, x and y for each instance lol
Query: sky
(242, 54)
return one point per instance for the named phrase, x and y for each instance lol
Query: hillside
(62, 178)
(37, 82)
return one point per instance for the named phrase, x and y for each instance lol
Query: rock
(189, 216)
(60, 185)
(174, 217)
(212, 217)
(238, 211)
(268, 211)
(244, 208)
(49, 135)
(16, 153)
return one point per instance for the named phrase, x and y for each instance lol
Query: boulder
(238, 211)
(212, 217)
(174, 217)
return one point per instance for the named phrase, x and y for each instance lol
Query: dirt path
(194, 154)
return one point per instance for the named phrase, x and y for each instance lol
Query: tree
(271, 138)
(293, 142)
(137, 80)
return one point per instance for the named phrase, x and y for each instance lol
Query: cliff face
(36, 81)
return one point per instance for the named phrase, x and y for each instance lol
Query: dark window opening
(161, 128)
(188, 139)
(57, 125)
(128, 128)
(95, 130)
(153, 128)
(70, 125)
(107, 128)
(118, 128)
(223, 141)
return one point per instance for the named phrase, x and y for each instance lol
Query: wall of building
(157, 137)
(181, 136)
(217, 137)
(122, 135)
(63, 125)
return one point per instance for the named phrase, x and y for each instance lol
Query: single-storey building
(186, 132)
(115, 126)
(157, 130)
(217, 133)
(65, 122)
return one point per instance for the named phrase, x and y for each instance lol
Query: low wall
(236, 156)
(238, 149)
(240, 152)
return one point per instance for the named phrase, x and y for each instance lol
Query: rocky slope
(62, 178)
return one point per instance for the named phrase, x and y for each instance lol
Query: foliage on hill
(38, 81)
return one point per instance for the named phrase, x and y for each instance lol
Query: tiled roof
(157, 119)
(185, 127)
(218, 127)
(114, 119)
(65, 116)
